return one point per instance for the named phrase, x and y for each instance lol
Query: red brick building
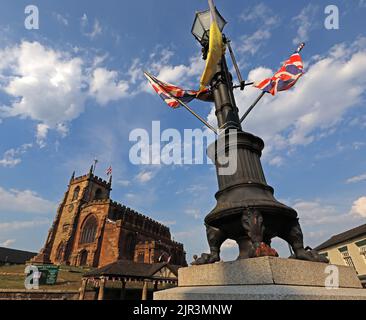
(92, 230)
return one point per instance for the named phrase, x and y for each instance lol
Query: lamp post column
(227, 112)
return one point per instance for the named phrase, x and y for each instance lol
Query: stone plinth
(261, 279)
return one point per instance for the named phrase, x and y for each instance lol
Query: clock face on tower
(71, 207)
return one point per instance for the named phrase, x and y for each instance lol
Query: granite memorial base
(265, 278)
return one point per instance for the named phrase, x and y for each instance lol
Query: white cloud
(11, 157)
(124, 183)
(106, 87)
(305, 22)
(160, 66)
(24, 201)
(355, 179)
(359, 207)
(41, 135)
(194, 189)
(195, 213)
(228, 244)
(358, 145)
(45, 86)
(61, 19)
(168, 223)
(261, 13)
(145, 176)
(97, 30)
(130, 195)
(135, 72)
(314, 213)
(51, 87)
(19, 225)
(84, 20)
(267, 21)
(276, 161)
(314, 106)
(94, 31)
(7, 243)
(252, 43)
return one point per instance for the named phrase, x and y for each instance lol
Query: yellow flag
(215, 51)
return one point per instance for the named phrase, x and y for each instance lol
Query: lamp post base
(246, 210)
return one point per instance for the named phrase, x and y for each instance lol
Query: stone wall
(42, 295)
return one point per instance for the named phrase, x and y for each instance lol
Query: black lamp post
(226, 110)
(246, 209)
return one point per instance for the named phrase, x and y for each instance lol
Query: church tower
(92, 230)
(81, 190)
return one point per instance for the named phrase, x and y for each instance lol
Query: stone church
(92, 230)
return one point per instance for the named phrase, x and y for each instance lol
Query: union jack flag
(109, 171)
(172, 95)
(285, 78)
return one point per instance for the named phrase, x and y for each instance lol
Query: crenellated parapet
(139, 220)
(90, 176)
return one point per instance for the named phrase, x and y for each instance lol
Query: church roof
(126, 268)
(14, 256)
(342, 237)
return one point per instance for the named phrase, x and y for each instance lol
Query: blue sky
(73, 90)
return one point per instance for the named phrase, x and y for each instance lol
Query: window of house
(362, 247)
(363, 251)
(346, 257)
(89, 230)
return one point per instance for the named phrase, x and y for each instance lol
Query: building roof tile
(342, 237)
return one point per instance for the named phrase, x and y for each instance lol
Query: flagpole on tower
(95, 164)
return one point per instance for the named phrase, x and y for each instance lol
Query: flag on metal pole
(169, 92)
(283, 79)
(286, 77)
(109, 171)
(175, 96)
(215, 49)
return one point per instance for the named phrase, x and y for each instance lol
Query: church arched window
(76, 193)
(89, 230)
